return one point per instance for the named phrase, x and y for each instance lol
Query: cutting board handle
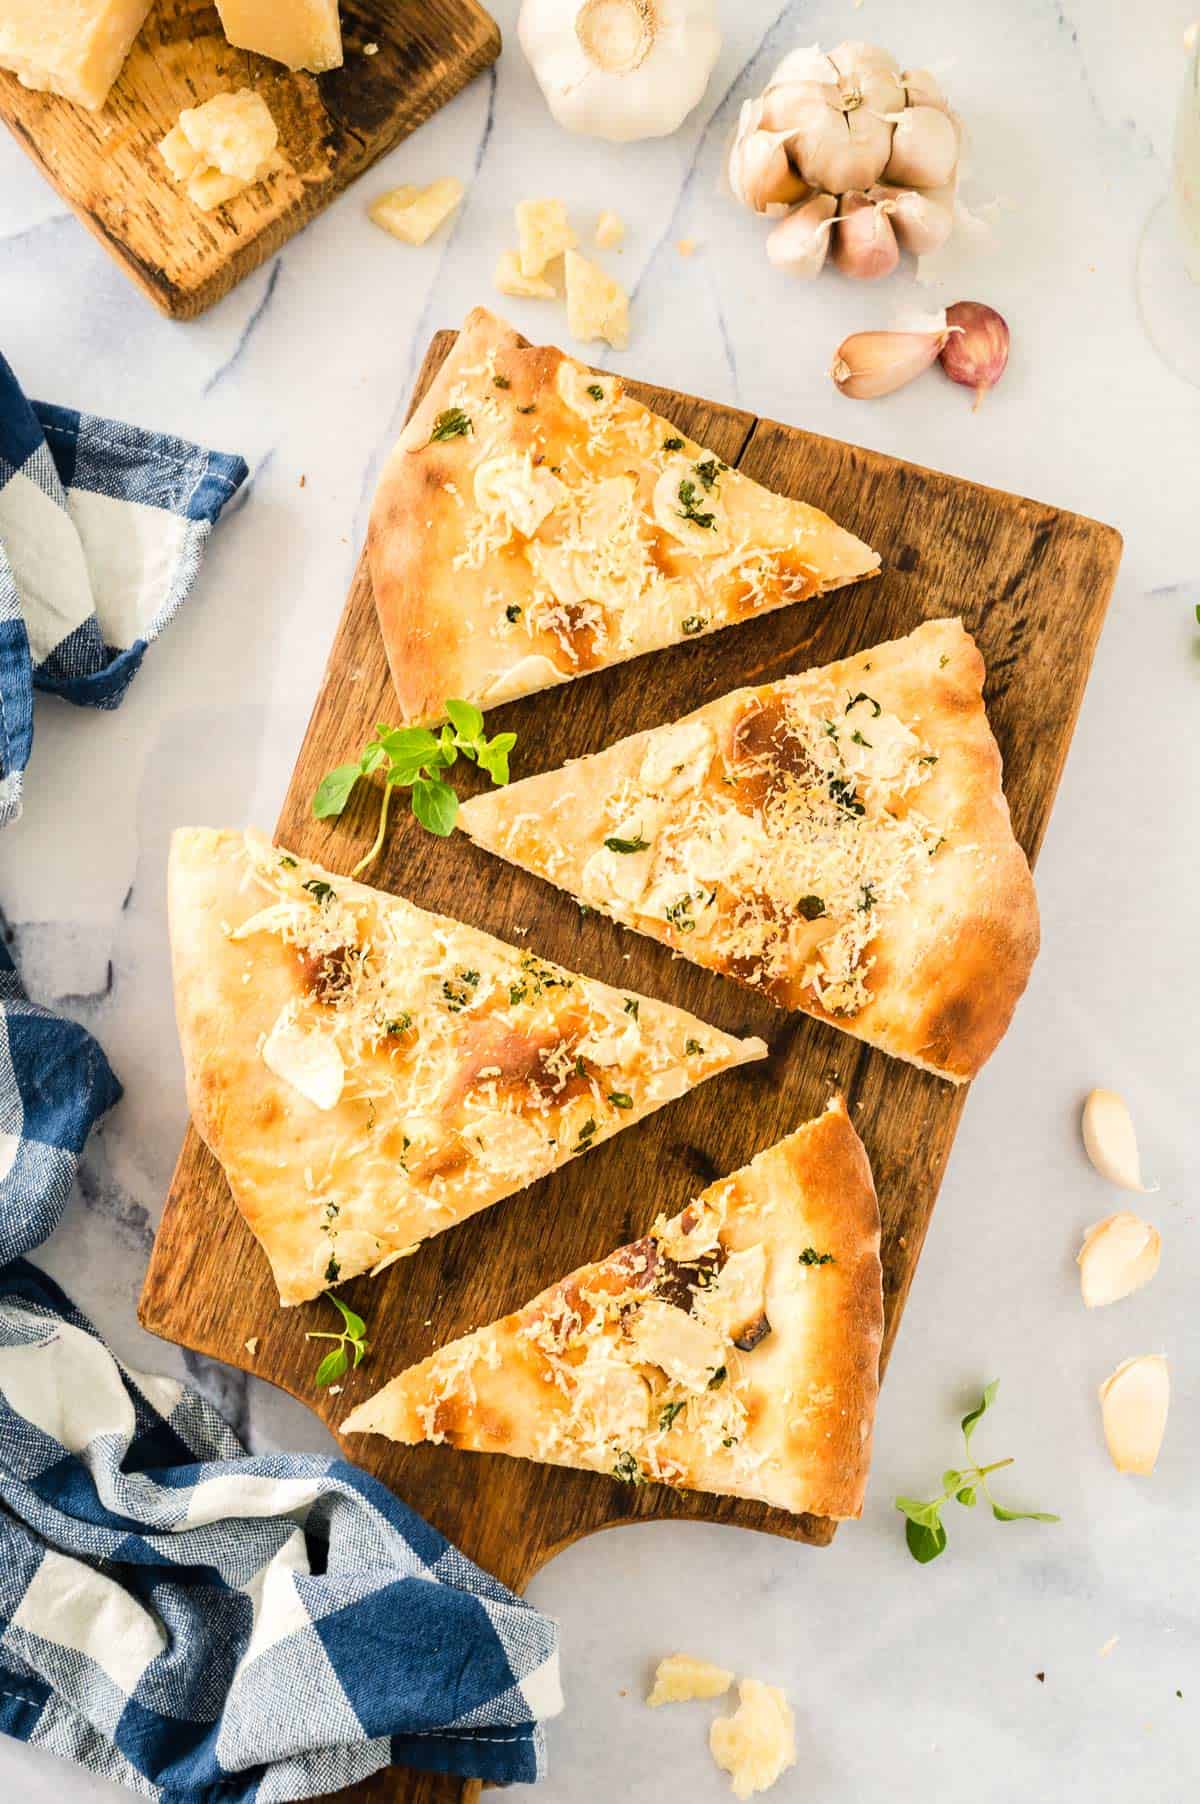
(405, 1785)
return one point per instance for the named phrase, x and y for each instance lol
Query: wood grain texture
(332, 127)
(1033, 584)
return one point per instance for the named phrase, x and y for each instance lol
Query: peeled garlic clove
(1133, 1409)
(920, 89)
(1109, 1139)
(924, 148)
(839, 152)
(976, 352)
(868, 364)
(921, 224)
(1118, 1256)
(799, 244)
(865, 244)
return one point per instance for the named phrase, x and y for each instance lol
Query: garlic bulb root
(851, 125)
(620, 69)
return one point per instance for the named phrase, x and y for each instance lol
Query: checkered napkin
(200, 1625)
(102, 528)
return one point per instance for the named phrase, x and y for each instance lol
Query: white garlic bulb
(620, 69)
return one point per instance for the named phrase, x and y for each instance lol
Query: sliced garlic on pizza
(735, 1348)
(839, 840)
(535, 522)
(368, 1073)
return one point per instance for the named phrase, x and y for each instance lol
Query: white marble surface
(908, 1683)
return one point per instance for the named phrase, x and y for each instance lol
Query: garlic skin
(1118, 1256)
(920, 89)
(620, 69)
(1109, 1139)
(799, 244)
(869, 364)
(924, 148)
(760, 175)
(865, 245)
(1133, 1409)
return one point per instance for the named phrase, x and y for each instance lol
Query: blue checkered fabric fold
(201, 1625)
(102, 529)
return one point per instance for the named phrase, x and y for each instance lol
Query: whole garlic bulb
(852, 126)
(620, 69)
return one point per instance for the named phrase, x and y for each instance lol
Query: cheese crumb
(414, 214)
(687, 247)
(758, 1742)
(252, 1345)
(543, 233)
(597, 306)
(509, 280)
(681, 1677)
(610, 230)
(217, 149)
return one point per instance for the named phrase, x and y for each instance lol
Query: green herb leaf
(501, 382)
(335, 790)
(620, 1099)
(466, 720)
(921, 1512)
(925, 1541)
(811, 907)
(876, 710)
(512, 612)
(668, 1414)
(968, 1496)
(349, 1342)
(331, 1367)
(627, 845)
(492, 756)
(322, 891)
(627, 1470)
(695, 623)
(451, 423)
(595, 391)
(435, 805)
(355, 1326)
(1003, 1515)
(632, 1005)
(981, 1408)
(718, 1378)
(810, 1256)
(672, 444)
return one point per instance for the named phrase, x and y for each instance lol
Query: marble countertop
(908, 1683)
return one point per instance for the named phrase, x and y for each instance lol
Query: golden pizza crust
(546, 536)
(368, 1073)
(839, 840)
(562, 1380)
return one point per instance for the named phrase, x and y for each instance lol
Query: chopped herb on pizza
(734, 1348)
(368, 1073)
(535, 522)
(839, 840)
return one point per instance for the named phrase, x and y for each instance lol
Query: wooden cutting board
(1033, 584)
(107, 168)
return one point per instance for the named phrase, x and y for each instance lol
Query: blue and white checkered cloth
(102, 528)
(203, 1626)
(200, 1625)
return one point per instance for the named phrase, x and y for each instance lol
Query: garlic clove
(761, 176)
(868, 76)
(799, 244)
(868, 364)
(1109, 1138)
(920, 89)
(921, 224)
(784, 103)
(855, 55)
(1133, 1408)
(924, 148)
(864, 244)
(976, 352)
(1118, 1256)
(805, 63)
(839, 152)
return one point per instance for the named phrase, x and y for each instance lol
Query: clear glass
(1169, 254)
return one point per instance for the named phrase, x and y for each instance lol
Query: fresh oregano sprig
(923, 1527)
(351, 1344)
(414, 758)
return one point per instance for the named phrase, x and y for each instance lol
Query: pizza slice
(368, 1073)
(734, 1348)
(839, 840)
(535, 522)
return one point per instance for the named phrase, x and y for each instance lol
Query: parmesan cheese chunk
(543, 233)
(509, 280)
(414, 214)
(76, 51)
(307, 1059)
(758, 1742)
(597, 306)
(219, 148)
(610, 230)
(681, 1677)
(688, 1351)
(302, 34)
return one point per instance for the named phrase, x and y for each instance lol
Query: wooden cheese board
(1033, 584)
(332, 127)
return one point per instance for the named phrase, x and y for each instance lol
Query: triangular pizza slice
(368, 1073)
(839, 840)
(734, 1348)
(535, 522)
